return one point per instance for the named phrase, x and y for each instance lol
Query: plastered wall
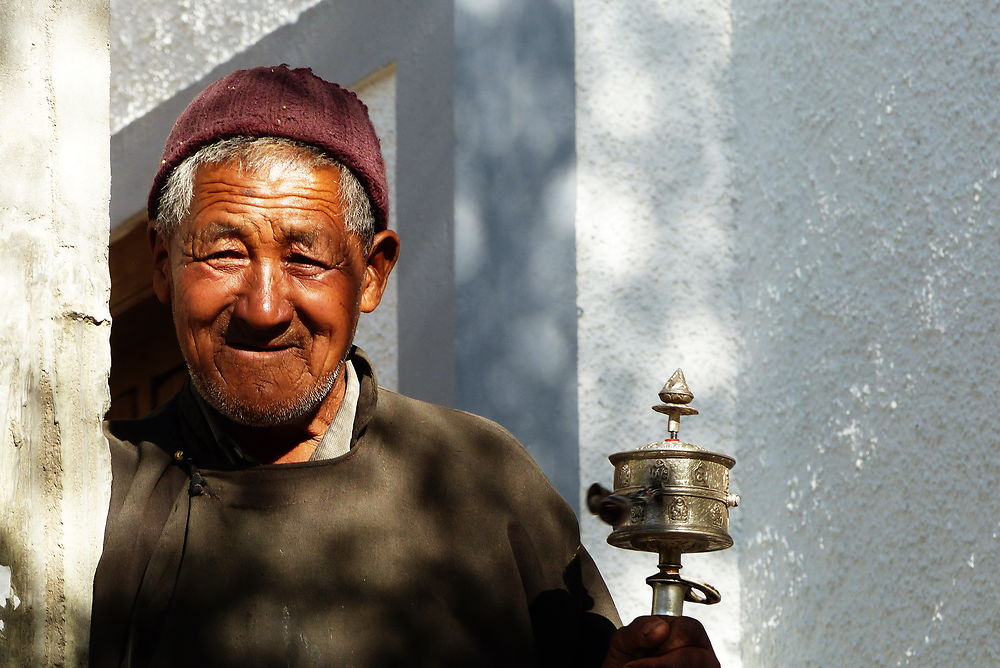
(378, 331)
(514, 248)
(54, 359)
(797, 203)
(158, 48)
(656, 241)
(866, 196)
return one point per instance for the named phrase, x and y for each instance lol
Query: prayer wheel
(670, 497)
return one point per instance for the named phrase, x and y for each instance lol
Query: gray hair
(257, 155)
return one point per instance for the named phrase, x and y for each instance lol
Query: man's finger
(657, 637)
(679, 658)
(684, 632)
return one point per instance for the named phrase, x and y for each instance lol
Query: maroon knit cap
(281, 102)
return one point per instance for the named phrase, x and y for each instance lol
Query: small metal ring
(707, 594)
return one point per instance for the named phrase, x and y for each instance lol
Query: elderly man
(283, 509)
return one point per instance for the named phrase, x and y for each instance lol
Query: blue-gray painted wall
(515, 262)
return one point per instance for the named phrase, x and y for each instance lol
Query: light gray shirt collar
(337, 439)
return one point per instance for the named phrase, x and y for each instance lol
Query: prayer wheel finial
(675, 395)
(670, 497)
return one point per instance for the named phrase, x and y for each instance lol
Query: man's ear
(381, 259)
(159, 248)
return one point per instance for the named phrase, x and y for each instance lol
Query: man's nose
(263, 302)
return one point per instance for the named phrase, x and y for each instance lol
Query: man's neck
(293, 441)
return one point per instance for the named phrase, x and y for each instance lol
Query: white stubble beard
(273, 415)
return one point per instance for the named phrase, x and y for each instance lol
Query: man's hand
(661, 642)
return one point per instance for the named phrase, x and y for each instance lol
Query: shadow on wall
(868, 137)
(514, 219)
(656, 229)
(656, 259)
(34, 622)
(18, 632)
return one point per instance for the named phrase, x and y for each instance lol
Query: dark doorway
(146, 364)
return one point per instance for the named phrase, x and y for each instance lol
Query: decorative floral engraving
(637, 513)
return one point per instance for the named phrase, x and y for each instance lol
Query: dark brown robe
(435, 541)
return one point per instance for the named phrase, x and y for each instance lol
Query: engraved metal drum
(670, 497)
(678, 494)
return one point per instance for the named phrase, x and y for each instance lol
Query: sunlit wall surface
(865, 187)
(656, 240)
(802, 213)
(55, 471)
(159, 48)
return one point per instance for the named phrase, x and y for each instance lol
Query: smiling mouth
(257, 348)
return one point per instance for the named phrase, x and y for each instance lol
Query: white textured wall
(159, 48)
(867, 185)
(655, 259)
(802, 212)
(378, 332)
(54, 360)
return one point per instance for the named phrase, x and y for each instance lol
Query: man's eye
(224, 255)
(305, 260)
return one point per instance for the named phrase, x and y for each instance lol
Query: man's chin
(255, 412)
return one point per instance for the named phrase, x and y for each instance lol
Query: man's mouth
(251, 347)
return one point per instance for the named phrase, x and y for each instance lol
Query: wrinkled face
(266, 287)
